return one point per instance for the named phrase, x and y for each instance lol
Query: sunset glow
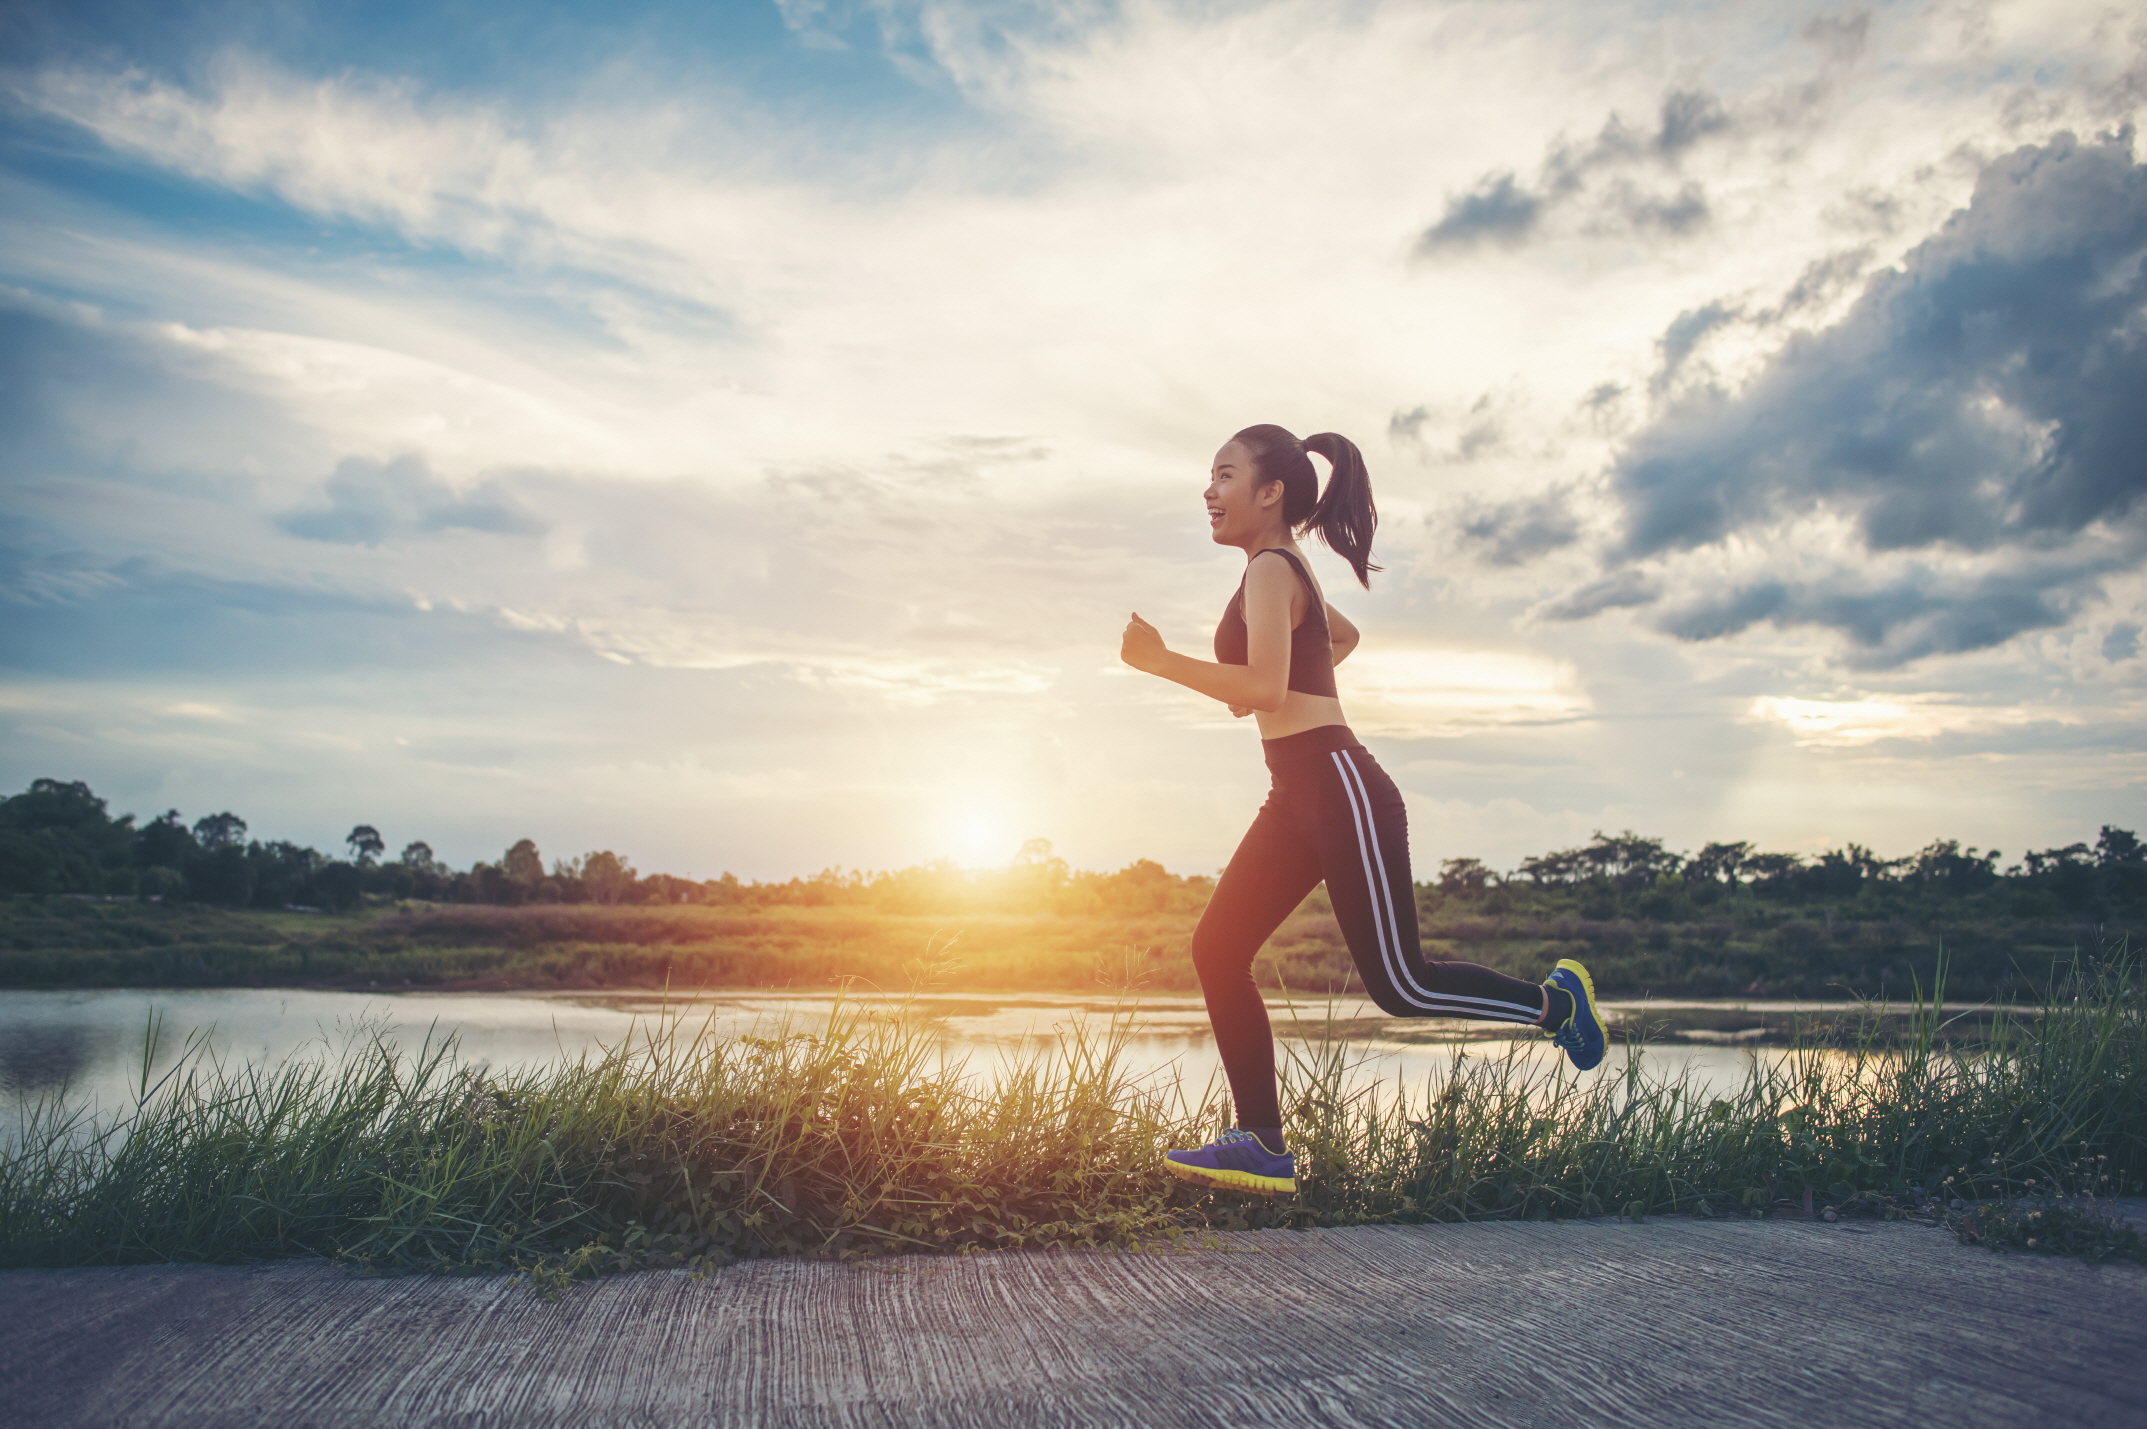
(735, 435)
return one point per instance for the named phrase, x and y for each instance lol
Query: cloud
(1684, 334)
(1618, 591)
(1981, 403)
(1499, 208)
(1984, 394)
(1672, 215)
(1481, 430)
(1893, 615)
(369, 502)
(1512, 533)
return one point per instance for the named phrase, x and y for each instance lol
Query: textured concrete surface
(1675, 1322)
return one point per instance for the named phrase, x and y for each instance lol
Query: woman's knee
(1219, 959)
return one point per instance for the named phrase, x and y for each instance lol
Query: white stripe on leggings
(1405, 983)
(1383, 925)
(1389, 951)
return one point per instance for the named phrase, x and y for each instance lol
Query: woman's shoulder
(1290, 568)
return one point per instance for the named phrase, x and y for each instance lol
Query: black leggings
(1332, 814)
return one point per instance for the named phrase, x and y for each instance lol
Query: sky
(734, 434)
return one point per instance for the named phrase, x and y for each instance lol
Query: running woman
(1331, 814)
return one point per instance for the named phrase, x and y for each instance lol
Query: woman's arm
(1263, 683)
(1341, 634)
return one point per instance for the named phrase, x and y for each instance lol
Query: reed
(859, 1139)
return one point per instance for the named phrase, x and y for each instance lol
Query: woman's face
(1240, 509)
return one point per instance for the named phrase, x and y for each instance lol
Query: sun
(977, 836)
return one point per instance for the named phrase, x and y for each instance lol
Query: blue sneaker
(1582, 1036)
(1236, 1161)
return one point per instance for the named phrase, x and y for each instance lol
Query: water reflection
(90, 1043)
(43, 1060)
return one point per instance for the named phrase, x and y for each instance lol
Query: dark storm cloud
(1823, 279)
(369, 502)
(1988, 392)
(1891, 622)
(1500, 208)
(1988, 398)
(1512, 533)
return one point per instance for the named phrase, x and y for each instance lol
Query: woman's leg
(1364, 848)
(1274, 867)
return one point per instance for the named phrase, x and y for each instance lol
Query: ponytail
(1344, 516)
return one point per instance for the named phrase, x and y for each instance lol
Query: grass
(857, 1140)
(2068, 1215)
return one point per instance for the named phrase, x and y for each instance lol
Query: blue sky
(734, 434)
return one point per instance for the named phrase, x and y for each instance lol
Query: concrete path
(1675, 1322)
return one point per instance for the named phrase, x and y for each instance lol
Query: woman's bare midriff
(1299, 713)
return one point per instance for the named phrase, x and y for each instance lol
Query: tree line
(59, 837)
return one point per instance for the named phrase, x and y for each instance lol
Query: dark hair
(1344, 516)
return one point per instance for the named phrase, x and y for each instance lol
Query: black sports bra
(1311, 647)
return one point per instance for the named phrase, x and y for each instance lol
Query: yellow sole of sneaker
(1233, 1180)
(1585, 981)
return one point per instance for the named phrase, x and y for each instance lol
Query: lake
(87, 1045)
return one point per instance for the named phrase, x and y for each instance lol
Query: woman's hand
(1240, 711)
(1142, 645)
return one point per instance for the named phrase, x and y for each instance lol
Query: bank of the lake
(855, 1133)
(86, 1045)
(1760, 953)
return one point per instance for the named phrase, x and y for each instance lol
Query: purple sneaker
(1236, 1161)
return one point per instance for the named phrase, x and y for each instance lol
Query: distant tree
(223, 874)
(1142, 886)
(1464, 875)
(56, 837)
(2115, 846)
(523, 863)
(1555, 870)
(417, 856)
(338, 886)
(663, 888)
(1034, 851)
(1628, 858)
(1943, 863)
(1839, 873)
(164, 842)
(284, 873)
(607, 877)
(52, 803)
(1719, 862)
(218, 830)
(2047, 861)
(366, 845)
(159, 883)
(1772, 868)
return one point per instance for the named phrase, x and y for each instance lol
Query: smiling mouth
(1215, 516)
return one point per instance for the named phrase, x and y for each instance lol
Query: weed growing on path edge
(2068, 1214)
(860, 1140)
